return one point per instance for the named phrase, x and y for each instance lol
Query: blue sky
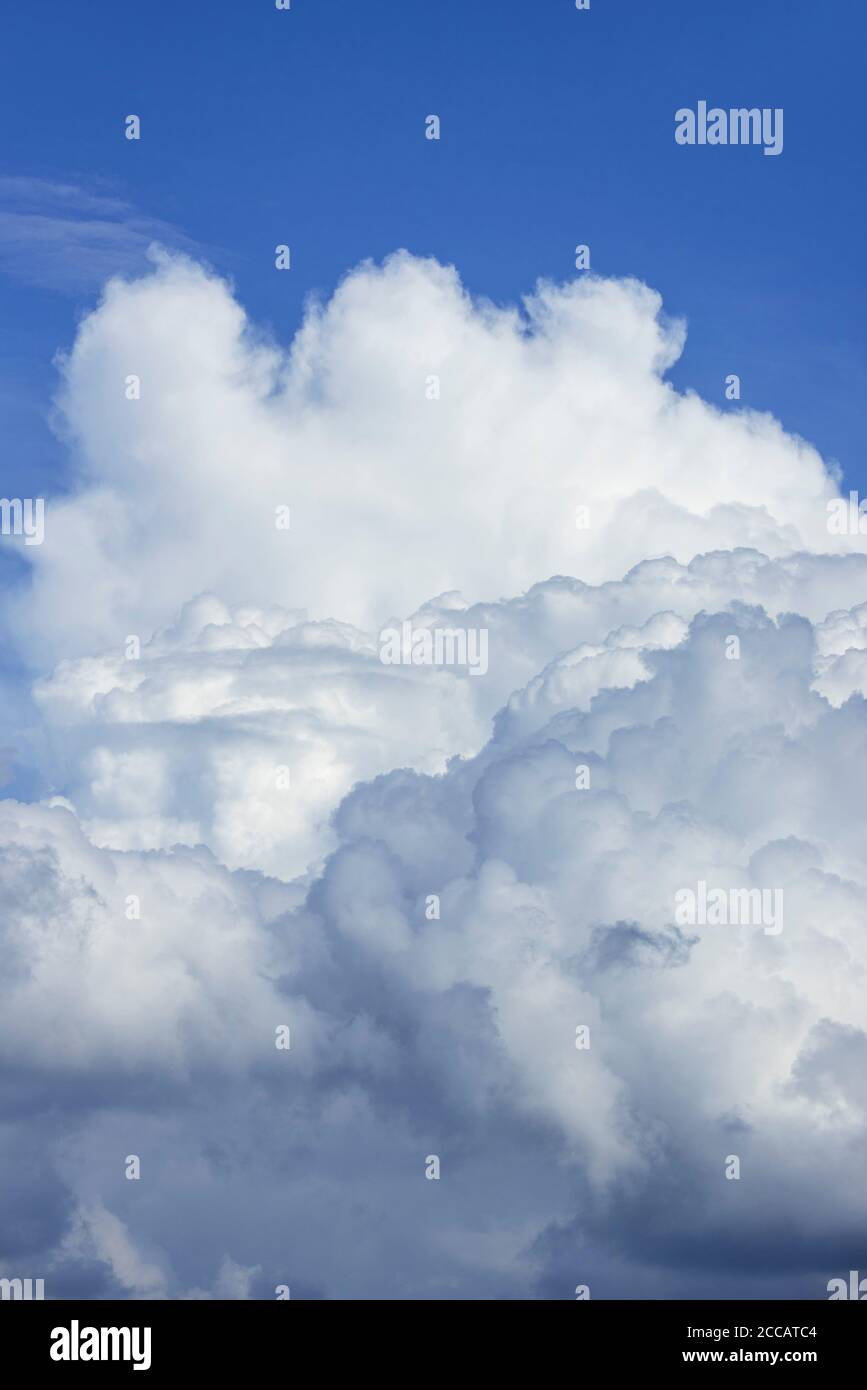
(306, 127)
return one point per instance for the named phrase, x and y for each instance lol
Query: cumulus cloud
(463, 876)
(242, 729)
(394, 497)
(456, 1035)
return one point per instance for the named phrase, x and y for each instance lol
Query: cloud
(436, 904)
(456, 1035)
(69, 239)
(559, 405)
(242, 729)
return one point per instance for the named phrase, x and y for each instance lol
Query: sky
(433, 717)
(305, 127)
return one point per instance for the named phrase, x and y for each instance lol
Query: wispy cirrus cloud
(70, 238)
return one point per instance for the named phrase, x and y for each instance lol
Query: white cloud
(196, 741)
(455, 1034)
(393, 496)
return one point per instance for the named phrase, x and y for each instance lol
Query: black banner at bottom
(157, 1339)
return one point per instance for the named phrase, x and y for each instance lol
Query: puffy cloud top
(422, 441)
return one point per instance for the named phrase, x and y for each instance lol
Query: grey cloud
(456, 1035)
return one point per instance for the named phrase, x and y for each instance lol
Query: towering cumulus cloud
(400, 979)
(393, 494)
